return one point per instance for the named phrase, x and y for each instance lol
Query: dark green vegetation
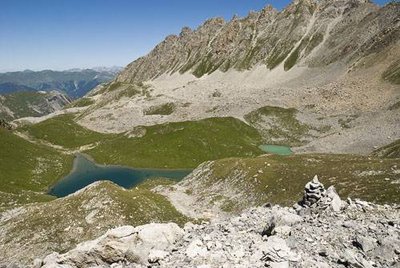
(278, 56)
(181, 145)
(306, 46)
(63, 131)
(163, 109)
(170, 145)
(315, 40)
(83, 102)
(278, 125)
(392, 74)
(281, 179)
(5, 125)
(27, 170)
(390, 151)
(206, 66)
(126, 89)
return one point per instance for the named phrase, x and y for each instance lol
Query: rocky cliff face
(306, 33)
(322, 232)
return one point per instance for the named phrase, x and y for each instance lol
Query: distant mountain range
(75, 82)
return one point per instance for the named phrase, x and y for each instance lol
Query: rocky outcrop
(306, 33)
(144, 244)
(360, 234)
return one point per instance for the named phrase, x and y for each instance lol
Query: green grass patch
(163, 109)
(392, 74)
(389, 151)
(247, 62)
(63, 131)
(294, 56)
(278, 125)
(27, 170)
(206, 66)
(281, 179)
(83, 102)
(113, 86)
(181, 145)
(315, 40)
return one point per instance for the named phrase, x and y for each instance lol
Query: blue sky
(63, 34)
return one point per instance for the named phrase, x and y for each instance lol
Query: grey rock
(365, 243)
(336, 203)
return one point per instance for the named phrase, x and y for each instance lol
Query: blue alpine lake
(276, 149)
(86, 172)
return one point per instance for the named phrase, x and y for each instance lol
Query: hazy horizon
(62, 35)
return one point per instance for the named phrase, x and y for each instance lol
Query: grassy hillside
(278, 125)
(63, 131)
(239, 183)
(26, 170)
(64, 222)
(82, 102)
(171, 145)
(181, 145)
(27, 103)
(390, 151)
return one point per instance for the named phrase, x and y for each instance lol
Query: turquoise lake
(276, 149)
(86, 172)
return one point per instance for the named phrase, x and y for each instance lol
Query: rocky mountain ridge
(321, 231)
(306, 33)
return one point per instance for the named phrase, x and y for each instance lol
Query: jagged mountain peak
(306, 33)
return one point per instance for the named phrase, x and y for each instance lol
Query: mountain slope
(331, 64)
(75, 83)
(31, 103)
(28, 170)
(307, 33)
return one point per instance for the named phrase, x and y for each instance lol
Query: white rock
(284, 264)
(157, 255)
(283, 231)
(196, 248)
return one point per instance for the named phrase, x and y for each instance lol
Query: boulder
(123, 244)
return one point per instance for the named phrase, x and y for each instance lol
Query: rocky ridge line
(320, 231)
(306, 33)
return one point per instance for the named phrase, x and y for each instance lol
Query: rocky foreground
(319, 231)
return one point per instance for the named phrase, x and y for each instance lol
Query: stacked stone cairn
(316, 197)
